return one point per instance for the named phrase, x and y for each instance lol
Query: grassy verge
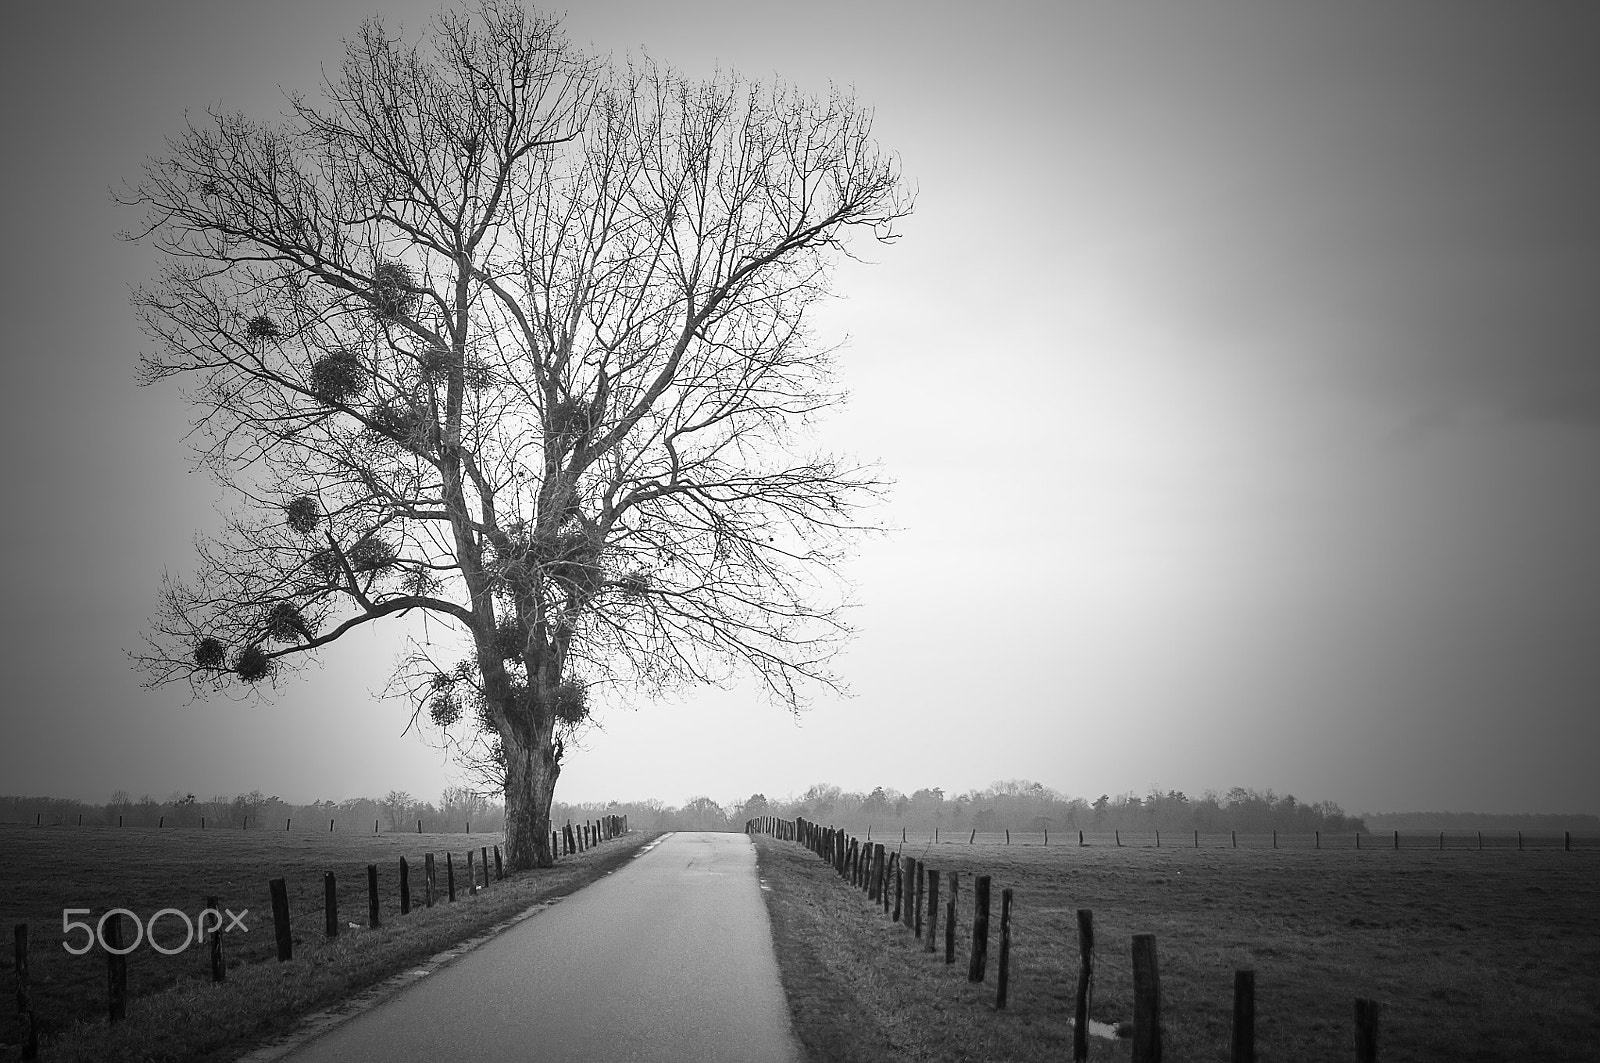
(1473, 956)
(197, 1022)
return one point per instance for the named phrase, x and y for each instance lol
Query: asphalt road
(668, 959)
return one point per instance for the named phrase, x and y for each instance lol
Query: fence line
(866, 867)
(1461, 838)
(115, 978)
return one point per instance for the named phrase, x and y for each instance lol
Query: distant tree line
(397, 810)
(1024, 806)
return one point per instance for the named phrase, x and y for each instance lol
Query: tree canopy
(519, 339)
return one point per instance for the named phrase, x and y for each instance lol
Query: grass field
(1490, 955)
(49, 869)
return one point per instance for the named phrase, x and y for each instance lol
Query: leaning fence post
(980, 930)
(219, 970)
(1366, 1031)
(280, 919)
(116, 967)
(1146, 1001)
(374, 916)
(330, 905)
(1080, 1008)
(1002, 976)
(1244, 1017)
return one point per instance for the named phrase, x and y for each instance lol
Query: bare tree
(396, 804)
(517, 341)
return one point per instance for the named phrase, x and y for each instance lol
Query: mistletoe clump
(445, 710)
(391, 295)
(373, 553)
(283, 623)
(572, 418)
(509, 640)
(302, 514)
(252, 665)
(572, 702)
(409, 424)
(262, 327)
(209, 652)
(338, 376)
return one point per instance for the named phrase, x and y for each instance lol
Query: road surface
(668, 959)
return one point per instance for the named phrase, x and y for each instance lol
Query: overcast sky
(1239, 372)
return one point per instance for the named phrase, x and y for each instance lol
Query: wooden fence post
(1080, 1007)
(980, 929)
(280, 919)
(1397, 840)
(922, 875)
(1366, 1031)
(450, 877)
(950, 921)
(419, 826)
(1002, 976)
(219, 970)
(483, 851)
(1233, 834)
(427, 879)
(974, 836)
(330, 905)
(1158, 839)
(116, 968)
(1118, 834)
(1146, 1001)
(933, 910)
(1274, 837)
(405, 887)
(1080, 839)
(1244, 1017)
(1008, 835)
(898, 876)
(374, 913)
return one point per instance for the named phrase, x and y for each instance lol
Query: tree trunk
(531, 771)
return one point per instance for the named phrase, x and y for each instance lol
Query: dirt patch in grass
(175, 1013)
(1474, 956)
